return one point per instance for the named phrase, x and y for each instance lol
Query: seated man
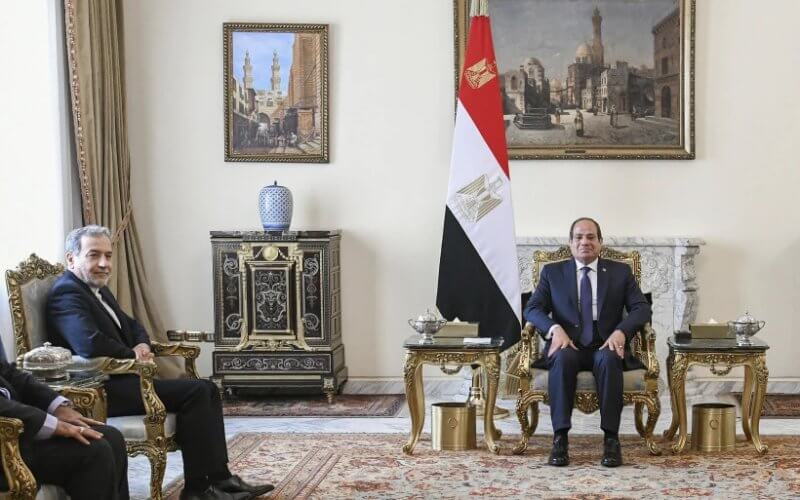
(59, 445)
(578, 306)
(84, 316)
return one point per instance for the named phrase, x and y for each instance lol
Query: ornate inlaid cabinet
(277, 311)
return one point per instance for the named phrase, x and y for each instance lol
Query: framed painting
(592, 79)
(276, 92)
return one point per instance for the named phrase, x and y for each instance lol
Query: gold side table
(721, 355)
(441, 352)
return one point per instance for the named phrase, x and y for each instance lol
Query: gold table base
(477, 399)
(755, 388)
(415, 394)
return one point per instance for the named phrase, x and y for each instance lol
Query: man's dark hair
(599, 232)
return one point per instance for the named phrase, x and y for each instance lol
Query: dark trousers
(99, 470)
(564, 366)
(200, 430)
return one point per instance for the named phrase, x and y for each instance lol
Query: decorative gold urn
(48, 362)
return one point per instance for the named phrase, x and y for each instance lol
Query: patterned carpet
(778, 405)
(372, 466)
(344, 405)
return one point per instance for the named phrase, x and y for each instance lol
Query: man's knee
(114, 438)
(565, 358)
(607, 359)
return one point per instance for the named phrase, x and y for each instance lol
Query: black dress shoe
(612, 452)
(559, 455)
(212, 493)
(235, 484)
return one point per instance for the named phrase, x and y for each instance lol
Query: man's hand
(616, 343)
(72, 416)
(76, 432)
(143, 352)
(560, 340)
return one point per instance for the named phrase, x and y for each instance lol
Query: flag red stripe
(483, 103)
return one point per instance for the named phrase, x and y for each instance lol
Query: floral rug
(344, 405)
(372, 466)
(778, 405)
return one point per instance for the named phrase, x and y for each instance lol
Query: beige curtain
(97, 83)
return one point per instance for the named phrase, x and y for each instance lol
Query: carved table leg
(492, 366)
(415, 396)
(747, 400)
(761, 375)
(673, 425)
(678, 391)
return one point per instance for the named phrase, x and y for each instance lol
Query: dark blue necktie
(587, 322)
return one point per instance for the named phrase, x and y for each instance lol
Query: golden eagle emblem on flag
(480, 73)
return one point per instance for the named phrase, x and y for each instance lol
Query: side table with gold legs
(442, 352)
(721, 355)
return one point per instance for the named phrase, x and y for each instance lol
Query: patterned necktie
(587, 322)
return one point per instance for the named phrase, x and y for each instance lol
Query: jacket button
(576, 326)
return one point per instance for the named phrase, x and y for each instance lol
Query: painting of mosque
(592, 79)
(276, 92)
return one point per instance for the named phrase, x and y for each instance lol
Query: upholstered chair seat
(632, 380)
(132, 426)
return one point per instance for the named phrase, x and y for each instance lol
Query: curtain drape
(97, 82)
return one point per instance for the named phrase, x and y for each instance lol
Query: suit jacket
(29, 398)
(555, 301)
(77, 320)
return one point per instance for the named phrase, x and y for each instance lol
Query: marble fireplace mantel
(668, 272)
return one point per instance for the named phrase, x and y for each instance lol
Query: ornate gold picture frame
(276, 92)
(592, 79)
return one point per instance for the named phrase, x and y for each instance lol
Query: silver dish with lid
(48, 362)
(745, 327)
(427, 325)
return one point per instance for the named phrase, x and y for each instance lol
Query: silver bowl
(427, 325)
(745, 327)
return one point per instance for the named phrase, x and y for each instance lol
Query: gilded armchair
(151, 434)
(640, 387)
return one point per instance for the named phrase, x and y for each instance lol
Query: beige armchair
(640, 387)
(151, 434)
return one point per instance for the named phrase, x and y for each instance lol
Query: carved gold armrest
(190, 336)
(155, 413)
(21, 483)
(189, 353)
(647, 339)
(83, 398)
(528, 351)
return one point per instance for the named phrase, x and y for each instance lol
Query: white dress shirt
(592, 279)
(108, 307)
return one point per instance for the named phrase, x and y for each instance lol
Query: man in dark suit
(83, 315)
(579, 307)
(59, 445)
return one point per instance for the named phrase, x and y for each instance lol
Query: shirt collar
(592, 265)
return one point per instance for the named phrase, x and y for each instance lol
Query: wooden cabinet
(277, 311)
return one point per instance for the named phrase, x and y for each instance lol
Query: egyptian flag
(478, 270)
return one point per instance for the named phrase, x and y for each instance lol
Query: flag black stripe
(467, 289)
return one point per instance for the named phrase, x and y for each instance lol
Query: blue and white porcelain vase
(275, 207)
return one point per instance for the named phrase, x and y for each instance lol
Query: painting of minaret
(620, 64)
(276, 92)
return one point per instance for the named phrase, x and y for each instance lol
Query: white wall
(36, 197)
(391, 127)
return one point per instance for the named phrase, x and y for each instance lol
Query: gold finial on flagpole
(479, 8)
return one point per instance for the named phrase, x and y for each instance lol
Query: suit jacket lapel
(602, 285)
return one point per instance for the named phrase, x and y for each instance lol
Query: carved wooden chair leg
(158, 465)
(534, 418)
(638, 410)
(653, 412)
(522, 415)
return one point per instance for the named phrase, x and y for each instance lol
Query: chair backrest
(28, 286)
(542, 257)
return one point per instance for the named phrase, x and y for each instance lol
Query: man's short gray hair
(73, 243)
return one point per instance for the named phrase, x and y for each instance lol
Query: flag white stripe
(492, 236)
